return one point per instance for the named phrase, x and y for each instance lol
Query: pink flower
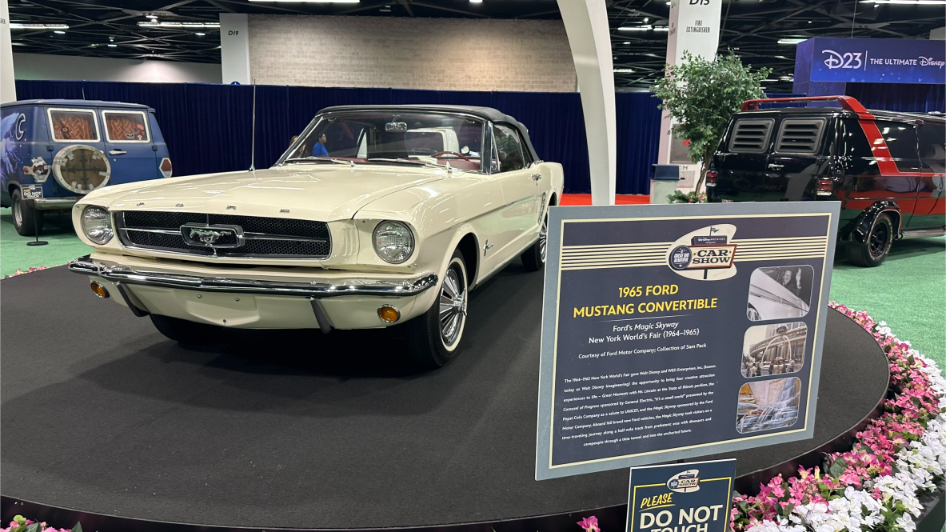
(590, 524)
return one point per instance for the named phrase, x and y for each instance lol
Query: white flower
(906, 523)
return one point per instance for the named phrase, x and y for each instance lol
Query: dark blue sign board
(676, 331)
(692, 497)
(829, 63)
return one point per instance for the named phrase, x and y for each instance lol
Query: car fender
(862, 226)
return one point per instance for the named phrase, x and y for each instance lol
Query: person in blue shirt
(319, 149)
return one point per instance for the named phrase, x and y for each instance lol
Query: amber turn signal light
(99, 290)
(389, 314)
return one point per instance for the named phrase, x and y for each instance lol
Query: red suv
(886, 168)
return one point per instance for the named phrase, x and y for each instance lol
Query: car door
(129, 145)
(79, 162)
(519, 212)
(797, 158)
(930, 201)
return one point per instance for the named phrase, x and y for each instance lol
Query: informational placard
(693, 497)
(677, 331)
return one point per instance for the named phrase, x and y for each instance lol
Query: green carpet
(908, 291)
(63, 245)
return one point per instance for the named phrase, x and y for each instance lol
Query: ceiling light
(635, 28)
(113, 46)
(769, 80)
(646, 19)
(661, 28)
(23, 26)
(200, 34)
(920, 2)
(476, 1)
(179, 24)
(59, 32)
(627, 42)
(623, 70)
(792, 40)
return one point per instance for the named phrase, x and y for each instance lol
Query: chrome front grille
(262, 237)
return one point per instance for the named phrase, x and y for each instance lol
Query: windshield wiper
(311, 159)
(428, 164)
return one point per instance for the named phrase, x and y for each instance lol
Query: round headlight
(393, 242)
(97, 225)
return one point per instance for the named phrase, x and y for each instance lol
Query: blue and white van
(54, 152)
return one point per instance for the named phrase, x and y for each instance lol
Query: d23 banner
(692, 497)
(676, 331)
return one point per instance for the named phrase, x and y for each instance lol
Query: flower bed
(876, 485)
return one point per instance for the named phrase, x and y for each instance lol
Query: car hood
(324, 192)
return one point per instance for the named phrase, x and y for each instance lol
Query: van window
(126, 126)
(73, 125)
(901, 141)
(751, 135)
(932, 144)
(800, 135)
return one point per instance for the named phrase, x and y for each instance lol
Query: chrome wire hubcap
(452, 306)
(18, 212)
(544, 237)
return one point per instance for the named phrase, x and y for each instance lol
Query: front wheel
(873, 252)
(26, 220)
(187, 332)
(433, 338)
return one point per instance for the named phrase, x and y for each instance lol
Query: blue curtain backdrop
(915, 98)
(207, 127)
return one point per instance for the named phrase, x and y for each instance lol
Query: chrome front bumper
(313, 291)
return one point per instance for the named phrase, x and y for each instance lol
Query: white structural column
(7, 85)
(586, 23)
(234, 49)
(694, 28)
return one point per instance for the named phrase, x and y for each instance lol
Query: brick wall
(411, 53)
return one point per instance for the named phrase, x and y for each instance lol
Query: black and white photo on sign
(765, 405)
(775, 349)
(779, 292)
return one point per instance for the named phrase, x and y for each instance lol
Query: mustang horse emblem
(207, 236)
(213, 236)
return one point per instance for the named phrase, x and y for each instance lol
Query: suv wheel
(874, 251)
(433, 338)
(187, 332)
(26, 220)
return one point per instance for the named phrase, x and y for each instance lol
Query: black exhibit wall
(207, 126)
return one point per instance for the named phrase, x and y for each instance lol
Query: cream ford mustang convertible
(375, 216)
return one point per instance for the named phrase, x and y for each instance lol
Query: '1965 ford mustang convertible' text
(375, 216)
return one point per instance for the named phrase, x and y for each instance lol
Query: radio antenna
(253, 133)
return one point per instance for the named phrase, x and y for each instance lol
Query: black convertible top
(487, 113)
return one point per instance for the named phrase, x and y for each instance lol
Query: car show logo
(212, 236)
(704, 254)
(685, 481)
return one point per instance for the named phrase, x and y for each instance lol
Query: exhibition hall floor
(103, 414)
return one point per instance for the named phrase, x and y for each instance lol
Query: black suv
(886, 168)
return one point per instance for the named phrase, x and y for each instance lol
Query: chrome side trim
(315, 289)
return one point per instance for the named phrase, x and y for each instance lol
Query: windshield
(385, 137)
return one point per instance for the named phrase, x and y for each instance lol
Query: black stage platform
(102, 414)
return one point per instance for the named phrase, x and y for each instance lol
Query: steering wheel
(460, 155)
